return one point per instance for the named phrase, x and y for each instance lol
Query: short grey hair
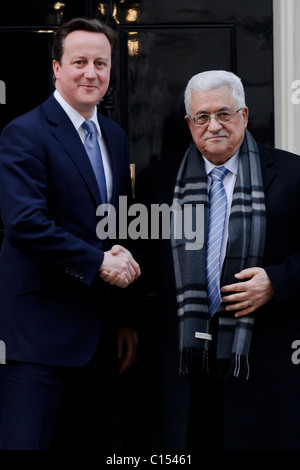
(215, 79)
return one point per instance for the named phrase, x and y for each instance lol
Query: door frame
(286, 52)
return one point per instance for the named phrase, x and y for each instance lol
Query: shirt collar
(231, 164)
(76, 118)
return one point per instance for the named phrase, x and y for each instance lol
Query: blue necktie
(217, 214)
(93, 150)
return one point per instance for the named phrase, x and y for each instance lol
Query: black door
(162, 43)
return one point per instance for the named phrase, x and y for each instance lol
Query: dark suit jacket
(262, 412)
(51, 302)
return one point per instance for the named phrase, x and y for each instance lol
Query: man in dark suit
(57, 316)
(224, 378)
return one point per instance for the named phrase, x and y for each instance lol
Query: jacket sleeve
(24, 207)
(285, 280)
(282, 248)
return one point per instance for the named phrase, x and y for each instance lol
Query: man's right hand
(119, 267)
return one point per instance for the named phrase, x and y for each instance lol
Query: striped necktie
(93, 150)
(217, 214)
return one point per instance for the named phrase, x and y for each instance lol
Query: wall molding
(286, 40)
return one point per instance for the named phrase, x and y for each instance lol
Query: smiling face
(217, 142)
(83, 74)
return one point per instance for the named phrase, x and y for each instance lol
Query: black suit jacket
(262, 412)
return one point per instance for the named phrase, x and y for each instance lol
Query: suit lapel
(113, 161)
(267, 167)
(115, 151)
(67, 135)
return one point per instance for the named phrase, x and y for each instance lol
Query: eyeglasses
(222, 117)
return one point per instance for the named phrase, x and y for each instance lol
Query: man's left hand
(127, 345)
(248, 296)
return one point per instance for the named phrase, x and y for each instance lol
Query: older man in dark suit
(221, 364)
(54, 304)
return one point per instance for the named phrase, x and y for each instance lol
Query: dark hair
(79, 24)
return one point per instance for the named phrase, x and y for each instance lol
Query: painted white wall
(286, 32)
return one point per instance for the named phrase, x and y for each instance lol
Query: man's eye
(101, 63)
(224, 116)
(202, 118)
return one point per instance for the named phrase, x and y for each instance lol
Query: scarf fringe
(193, 360)
(196, 360)
(235, 367)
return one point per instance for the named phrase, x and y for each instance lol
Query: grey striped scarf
(244, 249)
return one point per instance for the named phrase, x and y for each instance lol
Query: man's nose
(90, 70)
(214, 125)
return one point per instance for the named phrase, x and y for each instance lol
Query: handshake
(119, 267)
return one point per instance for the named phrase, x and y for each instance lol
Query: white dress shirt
(229, 182)
(77, 120)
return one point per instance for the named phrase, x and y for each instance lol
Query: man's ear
(56, 68)
(187, 119)
(245, 114)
